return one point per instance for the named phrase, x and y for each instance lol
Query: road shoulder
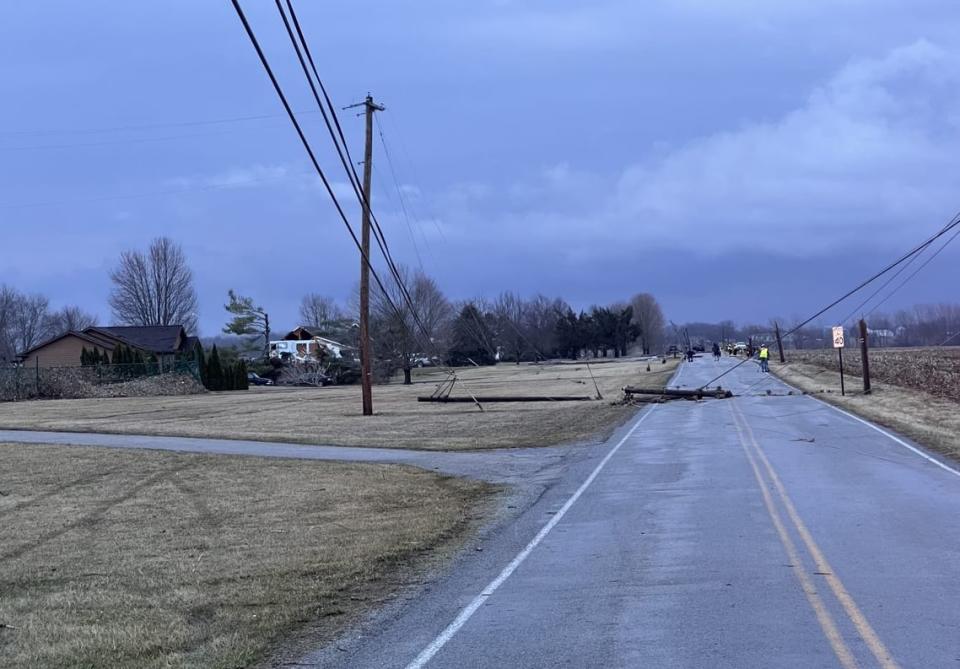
(930, 421)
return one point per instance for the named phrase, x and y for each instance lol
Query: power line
(400, 197)
(915, 272)
(886, 283)
(953, 223)
(133, 196)
(387, 194)
(306, 144)
(313, 159)
(406, 154)
(299, 41)
(148, 126)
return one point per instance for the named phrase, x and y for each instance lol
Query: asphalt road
(762, 531)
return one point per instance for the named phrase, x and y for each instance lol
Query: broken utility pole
(366, 373)
(864, 357)
(779, 342)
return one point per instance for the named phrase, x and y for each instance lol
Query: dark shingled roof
(153, 338)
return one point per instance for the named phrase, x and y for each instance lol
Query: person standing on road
(716, 351)
(764, 356)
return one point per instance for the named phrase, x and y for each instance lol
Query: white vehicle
(306, 350)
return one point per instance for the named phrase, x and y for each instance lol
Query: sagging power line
(953, 223)
(365, 258)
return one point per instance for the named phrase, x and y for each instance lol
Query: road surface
(763, 531)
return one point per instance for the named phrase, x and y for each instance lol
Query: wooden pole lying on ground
(507, 398)
(864, 356)
(697, 393)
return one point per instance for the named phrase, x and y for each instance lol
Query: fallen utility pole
(508, 398)
(366, 372)
(696, 393)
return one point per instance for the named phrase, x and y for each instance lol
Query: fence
(24, 383)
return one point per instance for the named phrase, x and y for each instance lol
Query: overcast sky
(739, 159)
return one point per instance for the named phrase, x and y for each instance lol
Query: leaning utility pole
(366, 374)
(779, 342)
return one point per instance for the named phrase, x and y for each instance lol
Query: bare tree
(510, 312)
(317, 310)
(69, 319)
(648, 317)
(155, 288)
(540, 327)
(403, 331)
(28, 326)
(8, 298)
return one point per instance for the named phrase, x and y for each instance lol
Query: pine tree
(104, 357)
(84, 357)
(202, 369)
(227, 381)
(214, 370)
(242, 382)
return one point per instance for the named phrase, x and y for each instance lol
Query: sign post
(838, 344)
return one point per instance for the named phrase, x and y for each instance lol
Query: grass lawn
(332, 415)
(112, 558)
(927, 419)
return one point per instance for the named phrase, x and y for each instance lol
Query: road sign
(838, 337)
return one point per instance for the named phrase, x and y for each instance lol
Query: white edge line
(895, 438)
(889, 435)
(427, 654)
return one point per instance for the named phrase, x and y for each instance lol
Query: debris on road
(678, 393)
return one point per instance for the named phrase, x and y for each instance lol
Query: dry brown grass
(932, 370)
(112, 558)
(332, 415)
(928, 420)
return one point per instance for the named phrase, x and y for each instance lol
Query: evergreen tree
(242, 382)
(202, 369)
(229, 380)
(104, 357)
(473, 340)
(139, 363)
(214, 370)
(84, 357)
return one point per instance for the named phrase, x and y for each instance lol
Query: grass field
(112, 558)
(935, 371)
(905, 398)
(332, 415)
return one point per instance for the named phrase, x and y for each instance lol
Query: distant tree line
(920, 325)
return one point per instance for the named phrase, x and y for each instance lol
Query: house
(303, 344)
(166, 342)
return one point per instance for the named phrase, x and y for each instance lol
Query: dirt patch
(927, 419)
(332, 415)
(113, 558)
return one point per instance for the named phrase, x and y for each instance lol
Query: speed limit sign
(838, 337)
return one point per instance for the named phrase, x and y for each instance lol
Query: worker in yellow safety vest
(764, 356)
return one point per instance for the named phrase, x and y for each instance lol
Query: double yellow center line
(770, 484)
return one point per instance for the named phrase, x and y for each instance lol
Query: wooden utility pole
(863, 355)
(779, 342)
(366, 373)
